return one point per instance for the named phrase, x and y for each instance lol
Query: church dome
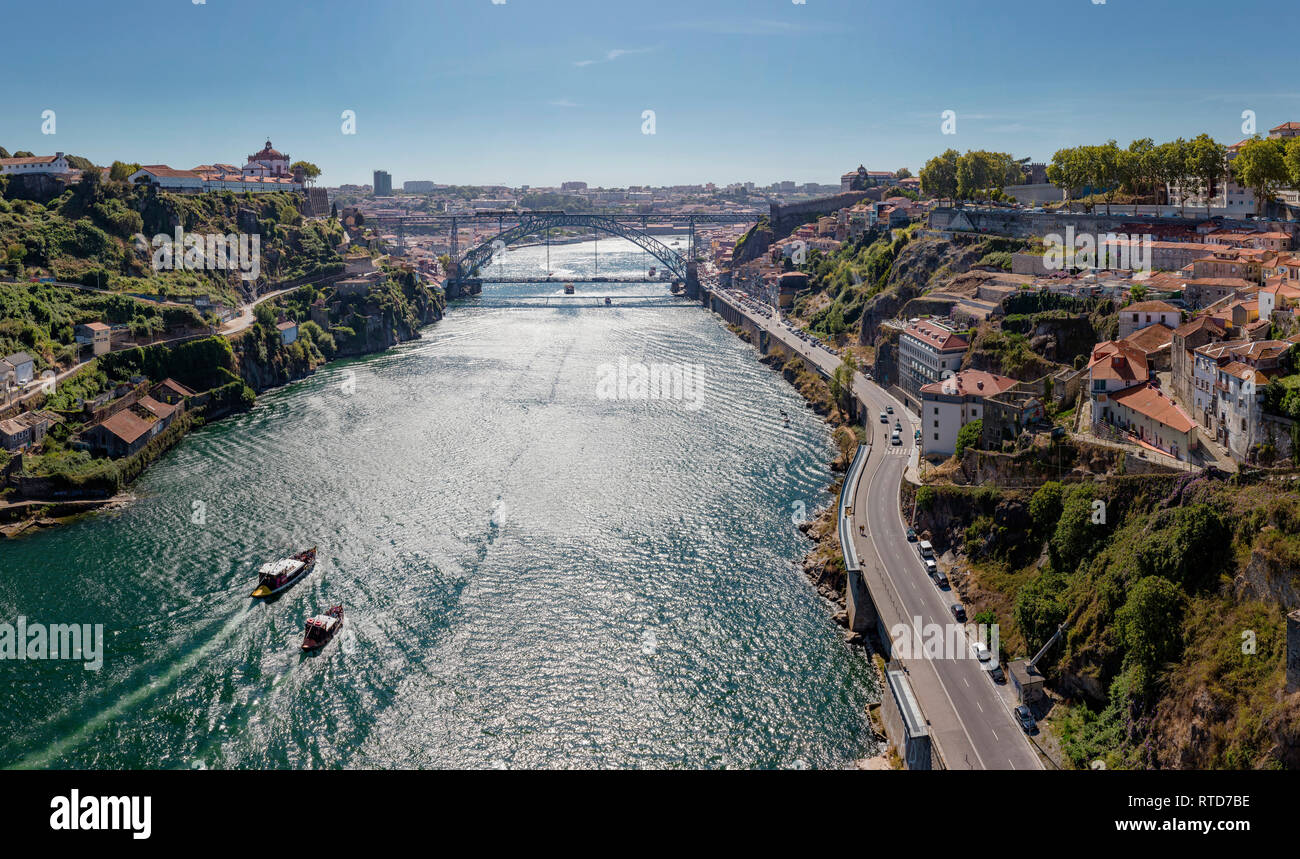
(268, 154)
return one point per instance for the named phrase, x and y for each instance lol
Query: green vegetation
(86, 235)
(40, 319)
(969, 436)
(976, 175)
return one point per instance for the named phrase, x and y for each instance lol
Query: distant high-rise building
(383, 184)
(417, 186)
(574, 186)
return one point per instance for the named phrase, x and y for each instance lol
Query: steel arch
(476, 258)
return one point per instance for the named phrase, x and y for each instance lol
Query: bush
(969, 436)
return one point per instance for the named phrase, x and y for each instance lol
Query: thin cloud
(611, 56)
(563, 102)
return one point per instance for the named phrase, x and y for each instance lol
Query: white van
(926, 550)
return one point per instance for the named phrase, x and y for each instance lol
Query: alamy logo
(637, 381)
(920, 640)
(75, 811)
(1110, 250)
(205, 252)
(22, 641)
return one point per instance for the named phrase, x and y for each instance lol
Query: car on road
(958, 612)
(925, 549)
(911, 535)
(895, 439)
(936, 574)
(884, 418)
(987, 661)
(889, 409)
(1026, 720)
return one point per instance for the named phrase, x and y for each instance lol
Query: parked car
(958, 612)
(925, 549)
(1026, 720)
(981, 651)
(911, 535)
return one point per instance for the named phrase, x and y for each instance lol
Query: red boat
(323, 627)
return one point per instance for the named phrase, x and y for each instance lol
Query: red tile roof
(968, 383)
(937, 336)
(35, 159)
(1118, 360)
(126, 425)
(1149, 307)
(1153, 338)
(1150, 401)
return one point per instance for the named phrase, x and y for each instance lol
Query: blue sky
(542, 91)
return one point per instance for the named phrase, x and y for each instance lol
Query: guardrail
(847, 490)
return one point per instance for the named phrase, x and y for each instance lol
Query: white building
(56, 164)
(928, 351)
(268, 162)
(1228, 390)
(167, 178)
(1135, 317)
(24, 368)
(950, 404)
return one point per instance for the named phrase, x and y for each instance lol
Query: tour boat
(607, 301)
(278, 575)
(568, 289)
(323, 627)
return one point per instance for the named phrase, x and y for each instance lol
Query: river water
(538, 571)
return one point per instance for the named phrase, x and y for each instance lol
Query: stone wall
(786, 218)
(1022, 224)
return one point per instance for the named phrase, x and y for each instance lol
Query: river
(538, 573)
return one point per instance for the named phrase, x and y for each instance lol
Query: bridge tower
(693, 280)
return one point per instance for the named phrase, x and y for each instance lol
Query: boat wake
(51, 754)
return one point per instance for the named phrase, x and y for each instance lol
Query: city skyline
(541, 95)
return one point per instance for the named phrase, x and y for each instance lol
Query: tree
(1076, 536)
(1293, 161)
(1168, 164)
(1150, 622)
(1142, 168)
(1206, 161)
(980, 171)
(969, 436)
(939, 175)
(1110, 169)
(119, 171)
(1045, 506)
(1261, 166)
(310, 171)
(841, 383)
(903, 173)
(1067, 170)
(1039, 609)
(265, 315)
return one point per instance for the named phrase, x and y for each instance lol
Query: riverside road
(969, 716)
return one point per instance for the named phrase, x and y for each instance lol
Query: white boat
(276, 576)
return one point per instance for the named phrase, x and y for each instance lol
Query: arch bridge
(534, 223)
